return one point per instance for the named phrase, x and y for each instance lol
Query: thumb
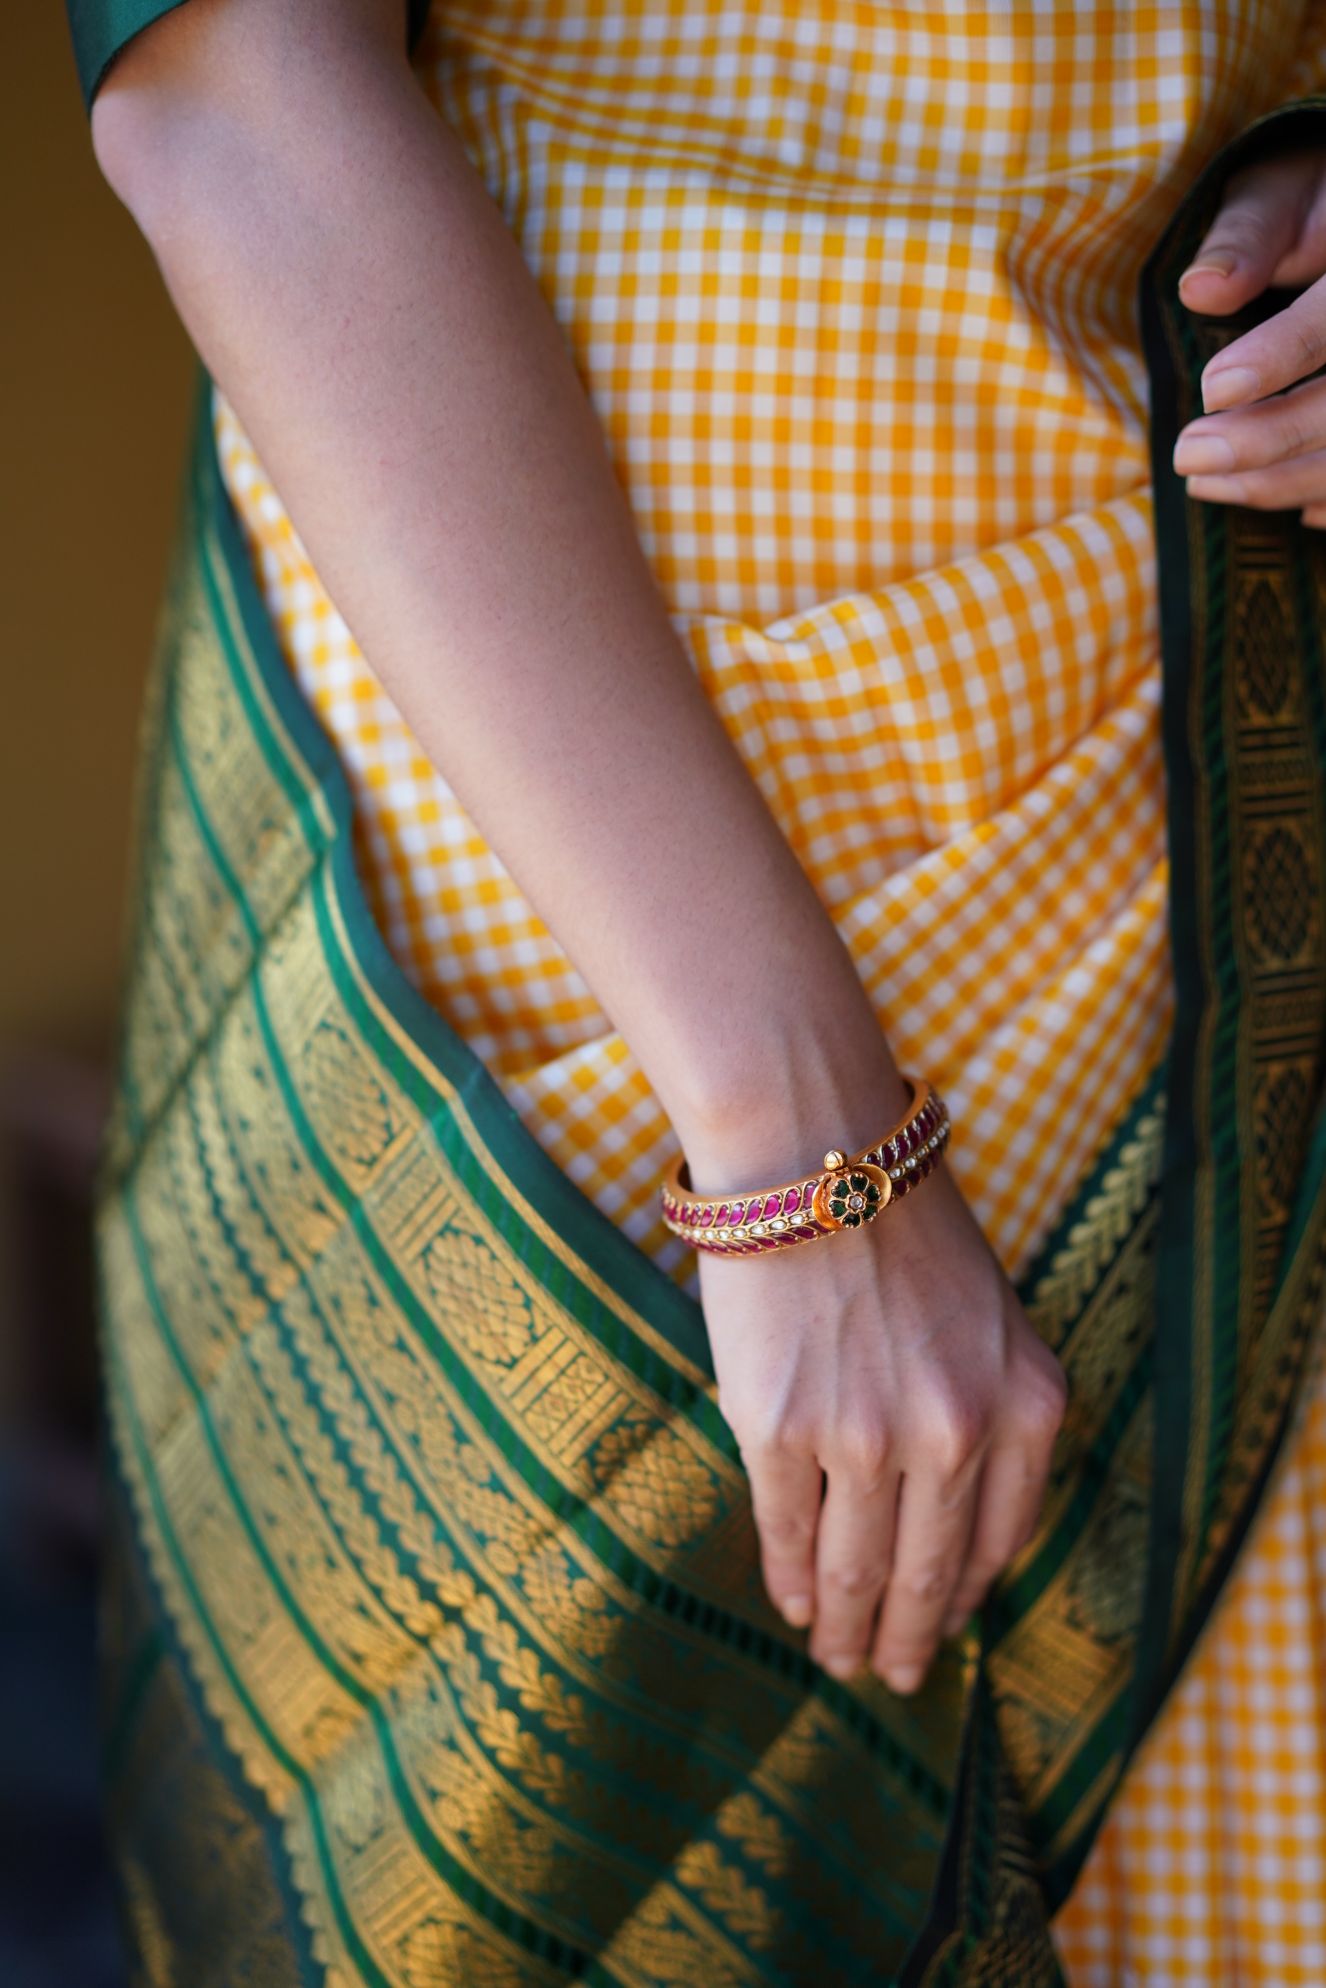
(1264, 211)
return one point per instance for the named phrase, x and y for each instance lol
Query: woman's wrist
(801, 1083)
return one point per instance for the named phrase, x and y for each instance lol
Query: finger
(1305, 261)
(853, 1554)
(787, 1486)
(935, 1518)
(1315, 516)
(1285, 486)
(1273, 355)
(1011, 1493)
(1009, 1501)
(1261, 219)
(1257, 437)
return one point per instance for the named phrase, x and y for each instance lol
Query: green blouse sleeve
(100, 28)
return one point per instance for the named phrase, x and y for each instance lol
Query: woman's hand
(1257, 444)
(897, 1363)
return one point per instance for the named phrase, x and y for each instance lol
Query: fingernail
(796, 1610)
(1203, 455)
(841, 1666)
(1216, 489)
(905, 1678)
(1234, 383)
(1216, 262)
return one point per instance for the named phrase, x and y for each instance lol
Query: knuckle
(1289, 435)
(1043, 1399)
(1263, 489)
(771, 1433)
(854, 1578)
(1235, 225)
(927, 1582)
(1240, 225)
(863, 1452)
(788, 1532)
(1309, 338)
(953, 1431)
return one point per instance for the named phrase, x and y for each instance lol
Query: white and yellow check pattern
(852, 291)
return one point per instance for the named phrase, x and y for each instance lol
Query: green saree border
(1203, 1052)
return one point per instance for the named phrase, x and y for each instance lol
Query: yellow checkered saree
(436, 1649)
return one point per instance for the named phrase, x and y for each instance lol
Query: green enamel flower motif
(853, 1198)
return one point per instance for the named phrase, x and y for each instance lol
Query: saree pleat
(436, 1645)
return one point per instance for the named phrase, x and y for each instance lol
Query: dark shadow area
(57, 1918)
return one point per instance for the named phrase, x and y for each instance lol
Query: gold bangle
(845, 1194)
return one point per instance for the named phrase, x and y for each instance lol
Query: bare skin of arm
(356, 293)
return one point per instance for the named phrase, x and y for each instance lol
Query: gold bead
(833, 1159)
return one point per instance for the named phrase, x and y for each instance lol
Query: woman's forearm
(355, 292)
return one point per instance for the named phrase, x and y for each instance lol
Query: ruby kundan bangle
(845, 1194)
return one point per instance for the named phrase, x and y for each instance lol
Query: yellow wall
(96, 376)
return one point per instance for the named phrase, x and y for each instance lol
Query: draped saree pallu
(435, 1645)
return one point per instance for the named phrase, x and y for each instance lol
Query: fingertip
(904, 1678)
(1211, 262)
(843, 1666)
(1228, 386)
(1211, 282)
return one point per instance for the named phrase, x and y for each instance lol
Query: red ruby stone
(706, 1219)
(734, 1214)
(791, 1200)
(753, 1212)
(772, 1204)
(720, 1219)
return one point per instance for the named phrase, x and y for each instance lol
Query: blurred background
(97, 376)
